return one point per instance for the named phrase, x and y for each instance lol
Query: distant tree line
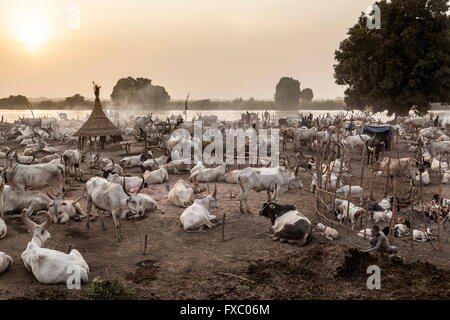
(14, 102)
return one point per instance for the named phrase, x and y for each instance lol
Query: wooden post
(411, 218)
(223, 227)
(145, 244)
(349, 195)
(394, 214)
(362, 168)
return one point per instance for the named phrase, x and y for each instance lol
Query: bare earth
(248, 265)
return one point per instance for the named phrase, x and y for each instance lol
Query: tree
(287, 92)
(405, 63)
(139, 91)
(306, 95)
(16, 101)
(75, 100)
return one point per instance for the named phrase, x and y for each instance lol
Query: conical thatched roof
(98, 123)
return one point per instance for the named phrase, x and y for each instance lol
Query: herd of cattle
(38, 165)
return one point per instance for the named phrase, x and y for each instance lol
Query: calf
(349, 211)
(401, 230)
(423, 177)
(288, 224)
(332, 181)
(382, 216)
(197, 216)
(355, 191)
(446, 177)
(373, 149)
(327, 232)
(384, 204)
(421, 234)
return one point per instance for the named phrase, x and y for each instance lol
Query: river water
(11, 115)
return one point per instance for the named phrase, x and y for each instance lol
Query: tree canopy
(287, 92)
(18, 100)
(404, 63)
(75, 100)
(306, 95)
(140, 92)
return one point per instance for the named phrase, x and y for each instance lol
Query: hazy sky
(211, 48)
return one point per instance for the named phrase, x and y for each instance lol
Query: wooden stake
(223, 227)
(145, 244)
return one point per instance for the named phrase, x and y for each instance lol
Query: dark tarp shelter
(382, 133)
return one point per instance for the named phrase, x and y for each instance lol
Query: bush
(113, 289)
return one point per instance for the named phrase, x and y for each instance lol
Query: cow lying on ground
(181, 195)
(5, 262)
(50, 266)
(421, 234)
(288, 224)
(3, 228)
(197, 216)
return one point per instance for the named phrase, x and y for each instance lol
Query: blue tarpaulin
(378, 129)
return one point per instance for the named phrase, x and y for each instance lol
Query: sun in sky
(32, 28)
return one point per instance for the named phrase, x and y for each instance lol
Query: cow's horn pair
(32, 225)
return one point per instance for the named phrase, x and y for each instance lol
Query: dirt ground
(247, 265)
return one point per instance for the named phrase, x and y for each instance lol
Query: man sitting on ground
(380, 242)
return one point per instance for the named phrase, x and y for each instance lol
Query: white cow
(197, 216)
(182, 194)
(156, 176)
(50, 266)
(5, 262)
(3, 228)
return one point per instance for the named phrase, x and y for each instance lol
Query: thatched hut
(97, 125)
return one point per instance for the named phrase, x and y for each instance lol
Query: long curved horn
(78, 199)
(48, 220)
(7, 154)
(142, 184)
(28, 223)
(49, 195)
(275, 192)
(123, 187)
